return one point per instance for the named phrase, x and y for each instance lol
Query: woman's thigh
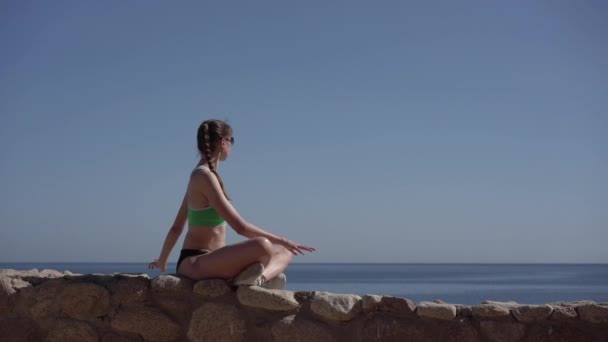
(227, 261)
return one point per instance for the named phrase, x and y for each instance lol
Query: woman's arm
(172, 236)
(213, 190)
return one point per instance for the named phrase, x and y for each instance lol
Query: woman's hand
(295, 247)
(157, 264)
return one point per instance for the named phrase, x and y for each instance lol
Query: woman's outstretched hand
(295, 247)
(156, 264)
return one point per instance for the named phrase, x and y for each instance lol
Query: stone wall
(54, 306)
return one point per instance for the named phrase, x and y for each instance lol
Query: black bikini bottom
(188, 253)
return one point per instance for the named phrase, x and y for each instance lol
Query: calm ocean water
(452, 283)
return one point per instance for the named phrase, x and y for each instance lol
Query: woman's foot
(276, 283)
(252, 275)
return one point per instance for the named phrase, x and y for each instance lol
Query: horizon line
(328, 263)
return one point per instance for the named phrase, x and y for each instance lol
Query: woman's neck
(214, 162)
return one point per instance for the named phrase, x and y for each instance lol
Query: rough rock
(216, 322)
(150, 323)
(41, 301)
(65, 330)
(172, 285)
(502, 331)
(436, 311)
(382, 329)
(532, 313)
(560, 333)
(304, 296)
(85, 301)
(457, 330)
(563, 313)
(370, 302)
(397, 305)
(463, 310)
(120, 275)
(114, 337)
(211, 288)
(8, 287)
(336, 307)
(19, 329)
(179, 308)
(574, 303)
(292, 329)
(593, 313)
(490, 311)
(129, 290)
(275, 300)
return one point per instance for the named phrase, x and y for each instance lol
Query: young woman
(260, 260)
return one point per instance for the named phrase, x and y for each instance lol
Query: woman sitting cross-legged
(260, 260)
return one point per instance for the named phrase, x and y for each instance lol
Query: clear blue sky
(391, 131)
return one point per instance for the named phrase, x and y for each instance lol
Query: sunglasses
(231, 140)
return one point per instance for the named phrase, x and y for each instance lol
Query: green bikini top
(205, 216)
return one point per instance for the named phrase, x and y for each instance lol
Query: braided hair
(210, 132)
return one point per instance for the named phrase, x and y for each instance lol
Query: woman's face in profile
(226, 146)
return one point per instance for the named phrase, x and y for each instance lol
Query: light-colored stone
(20, 273)
(292, 329)
(6, 290)
(370, 302)
(532, 313)
(593, 313)
(65, 330)
(574, 303)
(47, 273)
(336, 307)
(10, 285)
(172, 285)
(211, 288)
(502, 331)
(216, 322)
(563, 313)
(436, 311)
(510, 304)
(490, 311)
(261, 298)
(150, 323)
(85, 301)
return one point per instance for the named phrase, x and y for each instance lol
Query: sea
(452, 283)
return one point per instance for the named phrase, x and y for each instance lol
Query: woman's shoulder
(200, 169)
(201, 173)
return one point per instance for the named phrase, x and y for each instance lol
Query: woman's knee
(284, 252)
(263, 246)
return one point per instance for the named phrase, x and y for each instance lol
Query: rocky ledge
(53, 306)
